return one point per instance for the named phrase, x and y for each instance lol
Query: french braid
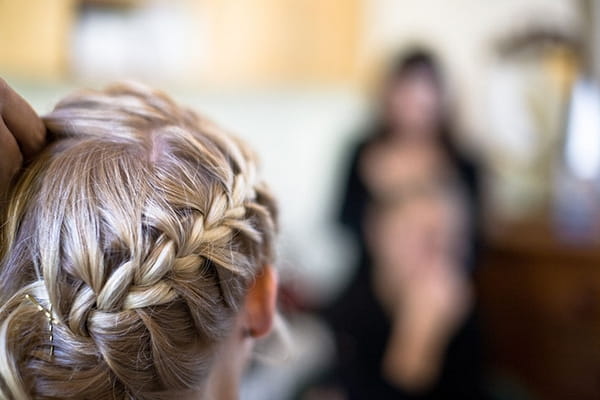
(141, 226)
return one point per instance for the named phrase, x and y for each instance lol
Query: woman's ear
(259, 308)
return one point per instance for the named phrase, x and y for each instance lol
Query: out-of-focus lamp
(582, 147)
(577, 200)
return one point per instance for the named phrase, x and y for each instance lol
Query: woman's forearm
(413, 355)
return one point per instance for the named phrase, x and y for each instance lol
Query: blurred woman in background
(405, 326)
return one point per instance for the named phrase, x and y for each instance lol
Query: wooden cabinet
(34, 37)
(540, 301)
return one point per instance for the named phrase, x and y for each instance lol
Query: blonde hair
(139, 229)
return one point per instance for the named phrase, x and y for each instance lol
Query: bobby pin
(48, 314)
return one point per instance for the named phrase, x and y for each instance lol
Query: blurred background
(306, 82)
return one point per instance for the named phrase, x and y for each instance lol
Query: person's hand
(405, 239)
(22, 134)
(419, 280)
(436, 304)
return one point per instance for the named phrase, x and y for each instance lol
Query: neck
(220, 385)
(223, 383)
(414, 138)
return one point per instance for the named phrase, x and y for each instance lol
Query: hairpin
(48, 314)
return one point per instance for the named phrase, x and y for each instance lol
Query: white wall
(462, 32)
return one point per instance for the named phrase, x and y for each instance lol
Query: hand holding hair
(22, 134)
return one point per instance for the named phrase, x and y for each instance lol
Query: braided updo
(140, 228)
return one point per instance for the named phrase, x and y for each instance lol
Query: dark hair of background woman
(418, 61)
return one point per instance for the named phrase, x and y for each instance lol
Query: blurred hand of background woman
(419, 280)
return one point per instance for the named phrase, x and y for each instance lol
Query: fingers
(22, 122)
(10, 157)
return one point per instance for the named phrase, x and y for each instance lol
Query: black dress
(362, 329)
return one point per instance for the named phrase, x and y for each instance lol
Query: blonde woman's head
(135, 249)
